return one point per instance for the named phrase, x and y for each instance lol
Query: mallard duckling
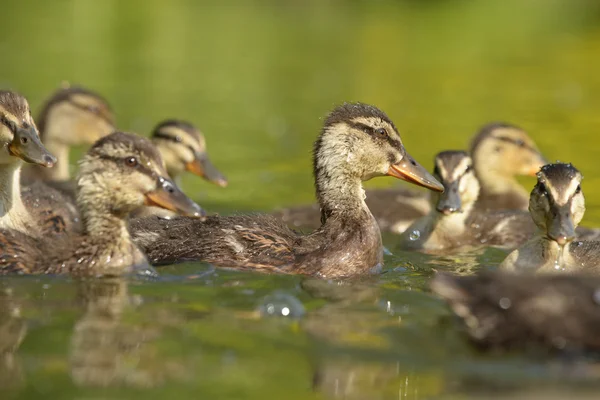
(358, 142)
(72, 116)
(454, 222)
(505, 311)
(23, 211)
(557, 206)
(120, 173)
(500, 152)
(183, 148)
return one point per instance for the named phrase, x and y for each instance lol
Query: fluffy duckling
(120, 173)
(183, 148)
(557, 206)
(72, 116)
(454, 222)
(500, 153)
(25, 210)
(506, 311)
(358, 142)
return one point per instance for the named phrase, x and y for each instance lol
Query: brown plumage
(72, 116)
(509, 311)
(183, 149)
(500, 152)
(119, 173)
(357, 142)
(29, 209)
(557, 206)
(455, 223)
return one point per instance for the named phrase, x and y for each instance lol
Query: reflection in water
(12, 332)
(103, 350)
(343, 322)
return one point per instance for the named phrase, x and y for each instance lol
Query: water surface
(257, 77)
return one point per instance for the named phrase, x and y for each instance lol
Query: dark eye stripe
(372, 132)
(170, 138)
(140, 167)
(516, 142)
(97, 113)
(8, 123)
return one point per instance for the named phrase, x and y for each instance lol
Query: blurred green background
(257, 77)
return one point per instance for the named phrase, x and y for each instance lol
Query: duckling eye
(131, 162)
(93, 109)
(178, 139)
(578, 189)
(381, 132)
(469, 169)
(520, 142)
(436, 171)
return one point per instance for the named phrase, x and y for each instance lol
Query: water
(257, 77)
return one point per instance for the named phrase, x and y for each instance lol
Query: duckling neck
(60, 171)
(101, 222)
(341, 196)
(338, 183)
(13, 214)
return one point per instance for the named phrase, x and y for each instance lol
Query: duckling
(183, 148)
(25, 210)
(120, 173)
(507, 311)
(72, 116)
(454, 222)
(500, 151)
(358, 142)
(557, 206)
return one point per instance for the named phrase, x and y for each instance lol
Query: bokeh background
(257, 77)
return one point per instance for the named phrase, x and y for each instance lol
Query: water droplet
(281, 304)
(576, 244)
(387, 252)
(414, 235)
(505, 303)
(556, 265)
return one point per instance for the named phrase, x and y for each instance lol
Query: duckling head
(183, 148)
(359, 141)
(19, 136)
(556, 203)
(75, 116)
(506, 150)
(461, 187)
(122, 172)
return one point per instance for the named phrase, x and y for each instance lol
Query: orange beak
(535, 168)
(202, 166)
(411, 171)
(170, 197)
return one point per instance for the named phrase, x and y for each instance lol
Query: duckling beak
(562, 227)
(411, 171)
(27, 146)
(170, 197)
(449, 201)
(536, 166)
(202, 166)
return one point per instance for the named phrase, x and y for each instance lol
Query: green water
(257, 77)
